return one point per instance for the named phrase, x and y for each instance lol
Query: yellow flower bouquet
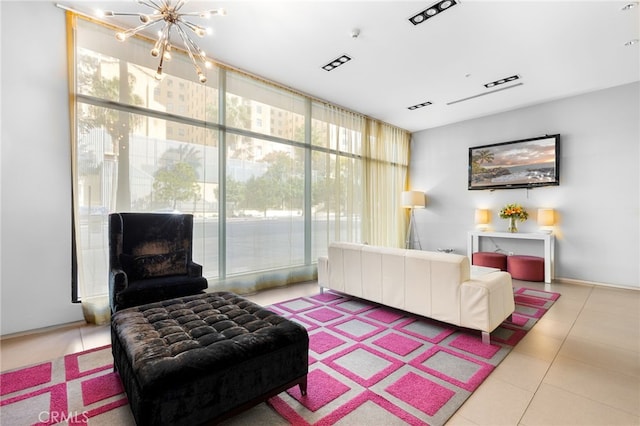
(514, 212)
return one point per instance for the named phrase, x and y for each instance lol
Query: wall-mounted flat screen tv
(526, 163)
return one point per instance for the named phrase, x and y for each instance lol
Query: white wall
(598, 237)
(35, 185)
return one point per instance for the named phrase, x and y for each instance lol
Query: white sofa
(431, 284)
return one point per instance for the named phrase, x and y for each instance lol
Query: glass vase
(513, 224)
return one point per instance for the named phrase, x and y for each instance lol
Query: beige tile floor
(580, 365)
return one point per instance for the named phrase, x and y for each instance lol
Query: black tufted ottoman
(203, 358)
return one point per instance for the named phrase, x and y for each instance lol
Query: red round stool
(527, 268)
(490, 259)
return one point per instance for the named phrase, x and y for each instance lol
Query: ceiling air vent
(485, 93)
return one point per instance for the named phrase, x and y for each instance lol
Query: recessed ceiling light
(336, 62)
(432, 11)
(501, 81)
(632, 42)
(629, 6)
(424, 104)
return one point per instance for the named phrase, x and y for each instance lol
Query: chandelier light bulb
(167, 55)
(208, 65)
(120, 36)
(201, 32)
(159, 74)
(202, 77)
(144, 18)
(155, 52)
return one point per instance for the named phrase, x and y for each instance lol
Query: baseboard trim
(593, 283)
(46, 329)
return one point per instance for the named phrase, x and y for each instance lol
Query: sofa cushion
(154, 289)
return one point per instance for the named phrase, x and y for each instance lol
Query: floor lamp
(413, 200)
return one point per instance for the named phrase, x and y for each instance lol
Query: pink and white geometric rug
(76, 389)
(368, 364)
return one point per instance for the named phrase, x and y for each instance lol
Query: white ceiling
(558, 48)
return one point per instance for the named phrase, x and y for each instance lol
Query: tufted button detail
(175, 326)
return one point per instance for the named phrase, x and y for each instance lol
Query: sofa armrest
(323, 271)
(486, 301)
(118, 281)
(194, 269)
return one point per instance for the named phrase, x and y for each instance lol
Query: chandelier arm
(151, 4)
(179, 5)
(187, 41)
(200, 31)
(159, 70)
(109, 13)
(200, 14)
(152, 18)
(128, 33)
(206, 14)
(156, 17)
(168, 38)
(164, 35)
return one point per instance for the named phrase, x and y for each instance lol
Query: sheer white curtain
(386, 153)
(368, 171)
(337, 175)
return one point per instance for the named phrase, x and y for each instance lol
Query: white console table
(473, 244)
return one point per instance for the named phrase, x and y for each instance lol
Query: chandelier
(169, 13)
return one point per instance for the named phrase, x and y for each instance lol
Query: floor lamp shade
(413, 199)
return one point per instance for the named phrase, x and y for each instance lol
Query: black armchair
(150, 259)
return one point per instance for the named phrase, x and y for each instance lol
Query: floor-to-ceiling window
(271, 176)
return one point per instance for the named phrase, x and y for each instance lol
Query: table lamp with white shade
(546, 219)
(482, 218)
